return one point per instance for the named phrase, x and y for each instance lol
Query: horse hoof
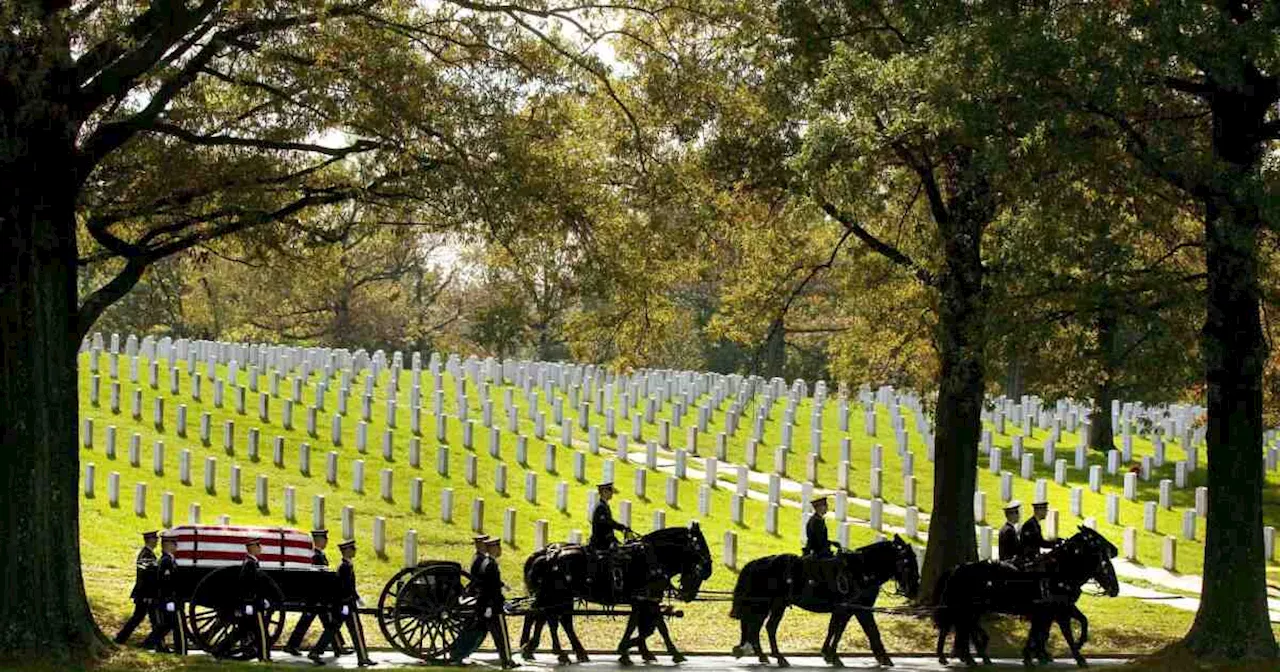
(736, 651)
(942, 661)
(527, 655)
(678, 658)
(583, 658)
(1081, 662)
(625, 661)
(649, 658)
(986, 660)
(885, 661)
(836, 662)
(564, 659)
(782, 662)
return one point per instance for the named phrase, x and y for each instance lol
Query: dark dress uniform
(603, 526)
(489, 608)
(318, 559)
(1032, 539)
(817, 543)
(142, 594)
(1010, 545)
(344, 609)
(168, 621)
(251, 625)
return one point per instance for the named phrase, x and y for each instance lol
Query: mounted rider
(1031, 538)
(1010, 544)
(823, 571)
(817, 542)
(603, 525)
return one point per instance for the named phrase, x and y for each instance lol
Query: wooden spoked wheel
(387, 605)
(430, 610)
(214, 620)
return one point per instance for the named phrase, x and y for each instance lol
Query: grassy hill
(110, 533)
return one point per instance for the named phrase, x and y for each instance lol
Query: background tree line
(1061, 198)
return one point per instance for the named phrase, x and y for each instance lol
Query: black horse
(846, 586)
(1045, 591)
(640, 575)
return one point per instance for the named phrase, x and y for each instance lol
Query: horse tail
(939, 597)
(743, 590)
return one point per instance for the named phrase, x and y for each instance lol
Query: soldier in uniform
(817, 543)
(168, 609)
(489, 608)
(1010, 546)
(319, 541)
(344, 610)
(602, 523)
(143, 587)
(477, 561)
(252, 603)
(1031, 538)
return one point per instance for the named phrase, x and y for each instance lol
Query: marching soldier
(489, 604)
(477, 561)
(319, 541)
(168, 612)
(1031, 538)
(252, 603)
(1010, 546)
(143, 587)
(344, 610)
(817, 543)
(602, 523)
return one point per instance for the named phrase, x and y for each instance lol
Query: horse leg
(744, 640)
(531, 635)
(826, 641)
(1064, 624)
(944, 628)
(676, 656)
(965, 625)
(644, 631)
(841, 622)
(775, 617)
(1034, 639)
(980, 641)
(867, 620)
(579, 651)
(624, 647)
(1084, 625)
(553, 626)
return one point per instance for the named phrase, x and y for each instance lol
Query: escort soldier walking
(817, 543)
(250, 625)
(1010, 546)
(477, 561)
(168, 609)
(143, 592)
(487, 583)
(602, 523)
(1031, 538)
(344, 609)
(319, 541)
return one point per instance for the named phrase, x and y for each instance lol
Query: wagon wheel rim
(274, 617)
(427, 630)
(387, 606)
(211, 615)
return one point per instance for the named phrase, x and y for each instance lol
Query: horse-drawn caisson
(428, 611)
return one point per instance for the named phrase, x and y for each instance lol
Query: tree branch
(884, 249)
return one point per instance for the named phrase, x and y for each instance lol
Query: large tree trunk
(961, 337)
(1232, 621)
(44, 614)
(1101, 431)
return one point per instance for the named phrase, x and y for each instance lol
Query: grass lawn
(110, 536)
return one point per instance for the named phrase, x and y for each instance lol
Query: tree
(1191, 89)
(151, 128)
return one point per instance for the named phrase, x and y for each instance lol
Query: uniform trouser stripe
(359, 635)
(180, 631)
(262, 636)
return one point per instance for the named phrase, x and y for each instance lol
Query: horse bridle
(904, 556)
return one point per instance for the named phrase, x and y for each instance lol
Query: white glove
(266, 604)
(488, 612)
(169, 607)
(346, 611)
(248, 610)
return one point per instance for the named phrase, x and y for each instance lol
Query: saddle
(825, 576)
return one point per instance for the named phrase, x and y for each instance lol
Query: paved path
(486, 662)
